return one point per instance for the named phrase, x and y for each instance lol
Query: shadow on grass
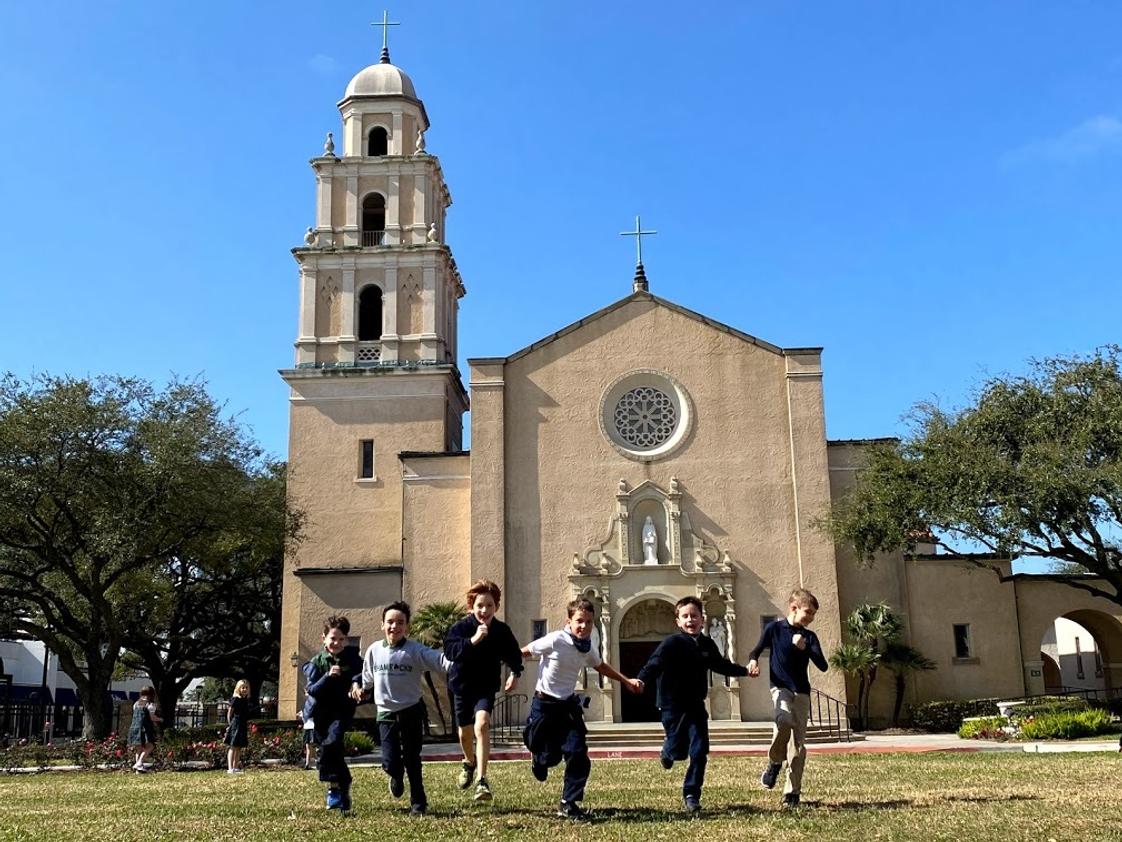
(905, 803)
(647, 814)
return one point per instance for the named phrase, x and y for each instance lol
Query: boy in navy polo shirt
(681, 665)
(792, 647)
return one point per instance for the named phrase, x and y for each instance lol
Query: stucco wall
(734, 469)
(436, 528)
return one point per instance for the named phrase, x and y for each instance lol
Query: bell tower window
(373, 219)
(370, 314)
(378, 142)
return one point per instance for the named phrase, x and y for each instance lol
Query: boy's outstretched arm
(632, 684)
(763, 643)
(652, 669)
(817, 657)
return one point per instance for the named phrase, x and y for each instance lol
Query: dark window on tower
(366, 459)
(370, 314)
(539, 627)
(373, 219)
(378, 143)
(962, 640)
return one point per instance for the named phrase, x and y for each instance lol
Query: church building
(644, 453)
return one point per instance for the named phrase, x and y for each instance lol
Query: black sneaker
(790, 801)
(541, 772)
(770, 775)
(345, 799)
(692, 805)
(571, 810)
(417, 809)
(666, 760)
(397, 787)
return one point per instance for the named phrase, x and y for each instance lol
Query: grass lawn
(964, 797)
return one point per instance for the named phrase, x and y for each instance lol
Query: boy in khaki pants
(793, 647)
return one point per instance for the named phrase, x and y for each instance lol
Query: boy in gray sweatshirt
(393, 668)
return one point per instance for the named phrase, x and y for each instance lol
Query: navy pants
(401, 748)
(687, 735)
(554, 731)
(332, 753)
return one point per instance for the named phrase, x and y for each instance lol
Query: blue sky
(928, 190)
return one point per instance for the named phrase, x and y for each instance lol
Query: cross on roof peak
(639, 282)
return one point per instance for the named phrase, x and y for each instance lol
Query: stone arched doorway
(1080, 652)
(641, 629)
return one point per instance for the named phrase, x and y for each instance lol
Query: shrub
(1049, 704)
(358, 742)
(1067, 725)
(946, 716)
(985, 728)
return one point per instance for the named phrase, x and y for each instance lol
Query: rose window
(645, 417)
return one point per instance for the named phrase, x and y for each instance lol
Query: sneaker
(483, 790)
(345, 799)
(571, 810)
(397, 787)
(231, 771)
(540, 772)
(417, 809)
(692, 805)
(467, 775)
(666, 760)
(334, 799)
(790, 801)
(770, 775)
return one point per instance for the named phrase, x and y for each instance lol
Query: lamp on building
(294, 659)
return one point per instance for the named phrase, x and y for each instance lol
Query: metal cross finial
(386, 23)
(638, 234)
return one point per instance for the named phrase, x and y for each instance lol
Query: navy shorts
(466, 706)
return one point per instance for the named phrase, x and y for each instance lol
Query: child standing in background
(142, 731)
(237, 728)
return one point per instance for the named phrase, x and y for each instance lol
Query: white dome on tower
(383, 79)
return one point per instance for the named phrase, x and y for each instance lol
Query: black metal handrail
(507, 720)
(835, 720)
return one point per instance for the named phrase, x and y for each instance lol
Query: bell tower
(378, 285)
(375, 371)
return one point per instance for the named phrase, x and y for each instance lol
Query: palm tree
(430, 626)
(870, 625)
(901, 659)
(859, 661)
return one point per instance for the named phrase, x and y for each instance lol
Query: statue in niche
(329, 145)
(720, 638)
(310, 237)
(420, 142)
(650, 541)
(717, 633)
(431, 235)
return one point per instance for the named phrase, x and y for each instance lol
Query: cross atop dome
(386, 23)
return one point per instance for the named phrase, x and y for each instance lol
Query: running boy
(555, 728)
(393, 668)
(333, 677)
(478, 646)
(681, 664)
(792, 647)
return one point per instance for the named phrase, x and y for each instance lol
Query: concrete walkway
(871, 744)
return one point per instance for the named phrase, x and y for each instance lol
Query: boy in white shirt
(555, 728)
